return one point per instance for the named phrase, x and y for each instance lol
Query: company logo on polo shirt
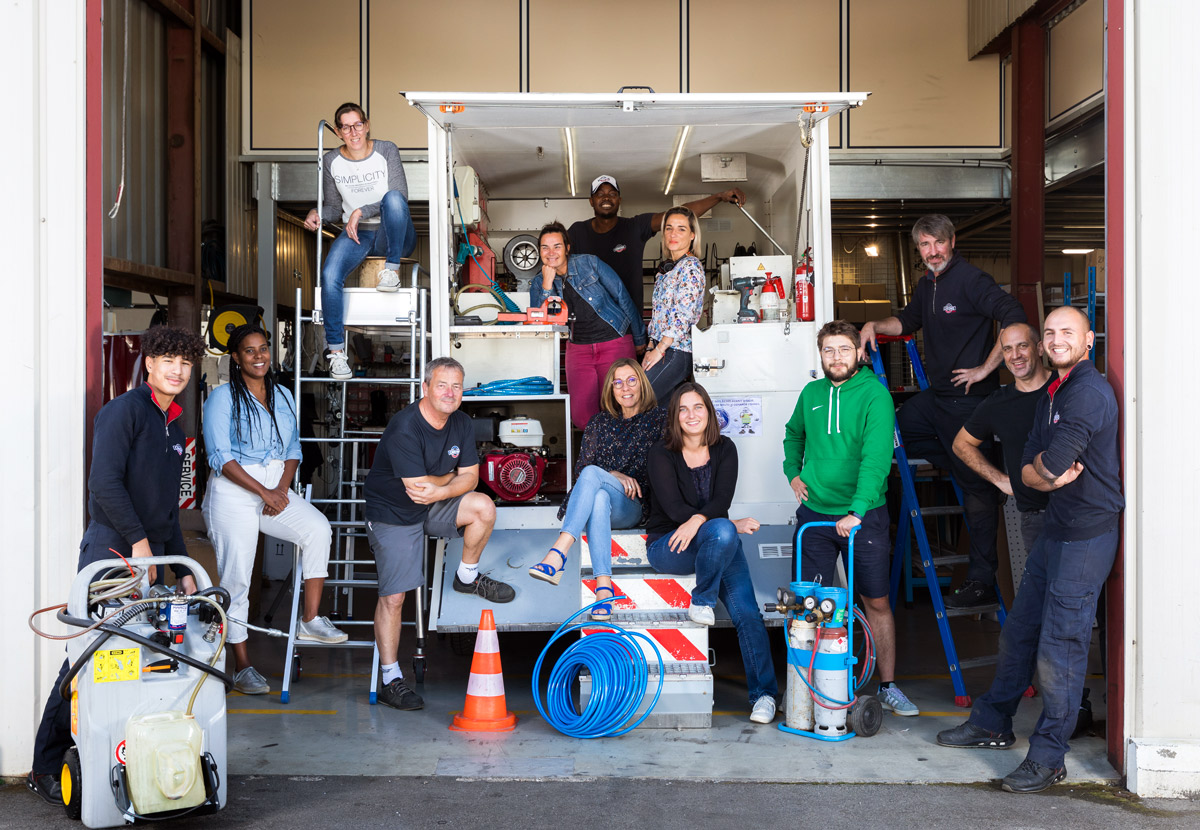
(178, 449)
(620, 249)
(1056, 417)
(454, 451)
(949, 308)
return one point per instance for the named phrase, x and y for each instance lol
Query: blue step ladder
(912, 522)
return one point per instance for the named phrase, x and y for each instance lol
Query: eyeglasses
(357, 127)
(840, 351)
(629, 382)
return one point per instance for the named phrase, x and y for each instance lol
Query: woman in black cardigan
(693, 474)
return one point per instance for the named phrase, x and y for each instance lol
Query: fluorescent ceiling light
(871, 250)
(570, 136)
(683, 136)
(1077, 250)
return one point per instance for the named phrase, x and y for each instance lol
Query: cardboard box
(872, 291)
(876, 310)
(845, 292)
(849, 310)
(1096, 259)
(863, 311)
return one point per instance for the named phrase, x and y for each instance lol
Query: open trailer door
(532, 146)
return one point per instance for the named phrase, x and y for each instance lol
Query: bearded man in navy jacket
(133, 503)
(956, 305)
(1072, 454)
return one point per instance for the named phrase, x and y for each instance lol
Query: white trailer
(541, 148)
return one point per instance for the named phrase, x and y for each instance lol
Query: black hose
(108, 630)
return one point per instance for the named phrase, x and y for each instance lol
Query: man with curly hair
(133, 502)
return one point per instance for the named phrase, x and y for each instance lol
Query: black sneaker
(397, 695)
(969, 736)
(485, 587)
(47, 787)
(970, 594)
(1032, 777)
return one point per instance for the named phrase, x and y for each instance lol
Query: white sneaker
(249, 682)
(764, 710)
(320, 630)
(339, 366)
(702, 614)
(389, 281)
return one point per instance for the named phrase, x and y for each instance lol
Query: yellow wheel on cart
(71, 783)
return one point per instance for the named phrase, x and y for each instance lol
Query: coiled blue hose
(620, 677)
(512, 386)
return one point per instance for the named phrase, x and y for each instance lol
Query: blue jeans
(394, 239)
(1050, 627)
(598, 504)
(715, 555)
(668, 373)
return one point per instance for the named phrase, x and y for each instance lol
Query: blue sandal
(549, 573)
(603, 611)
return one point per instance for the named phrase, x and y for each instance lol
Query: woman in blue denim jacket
(605, 327)
(252, 439)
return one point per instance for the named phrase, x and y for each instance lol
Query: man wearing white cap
(619, 241)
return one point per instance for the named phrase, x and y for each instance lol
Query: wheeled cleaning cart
(149, 732)
(820, 648)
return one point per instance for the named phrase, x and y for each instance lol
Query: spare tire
(521, 256)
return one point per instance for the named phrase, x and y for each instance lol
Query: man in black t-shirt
(619, 241)
(422, 482)
(1008, 413)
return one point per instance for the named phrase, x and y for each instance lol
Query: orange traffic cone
(485, 709)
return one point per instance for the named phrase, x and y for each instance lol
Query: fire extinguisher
(806, 310)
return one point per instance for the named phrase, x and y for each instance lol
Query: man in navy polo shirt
(1072, 454)
(956, 305)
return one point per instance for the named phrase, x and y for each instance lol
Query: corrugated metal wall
(295, 260)
(241, 243)
(988, 18)
(138, 232)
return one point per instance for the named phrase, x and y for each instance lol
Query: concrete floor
(329, 728)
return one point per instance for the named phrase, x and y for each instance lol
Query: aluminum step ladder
(403, 314)
(655, 605)
(911, 520)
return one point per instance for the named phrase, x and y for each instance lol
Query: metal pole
(761, 228)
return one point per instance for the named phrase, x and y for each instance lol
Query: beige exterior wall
(925, 91)
(912, 57)
(1075, 60)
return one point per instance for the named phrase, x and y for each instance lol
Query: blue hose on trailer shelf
(620, 678)
(524, 387)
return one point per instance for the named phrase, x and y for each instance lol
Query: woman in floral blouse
(677, 303)
(611, 484)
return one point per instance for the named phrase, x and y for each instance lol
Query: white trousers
(234, 518)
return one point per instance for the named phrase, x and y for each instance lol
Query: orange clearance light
(816, 108)
(453, 108)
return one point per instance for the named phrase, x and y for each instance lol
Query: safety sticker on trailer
(116, 664)
(627, 548)
(120, 753)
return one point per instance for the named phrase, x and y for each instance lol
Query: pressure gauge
(827, 606)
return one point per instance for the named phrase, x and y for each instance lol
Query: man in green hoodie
(837, 452)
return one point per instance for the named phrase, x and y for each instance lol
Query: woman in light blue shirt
(252, 438)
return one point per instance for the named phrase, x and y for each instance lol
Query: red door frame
(93, 223)
(1114, 253)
